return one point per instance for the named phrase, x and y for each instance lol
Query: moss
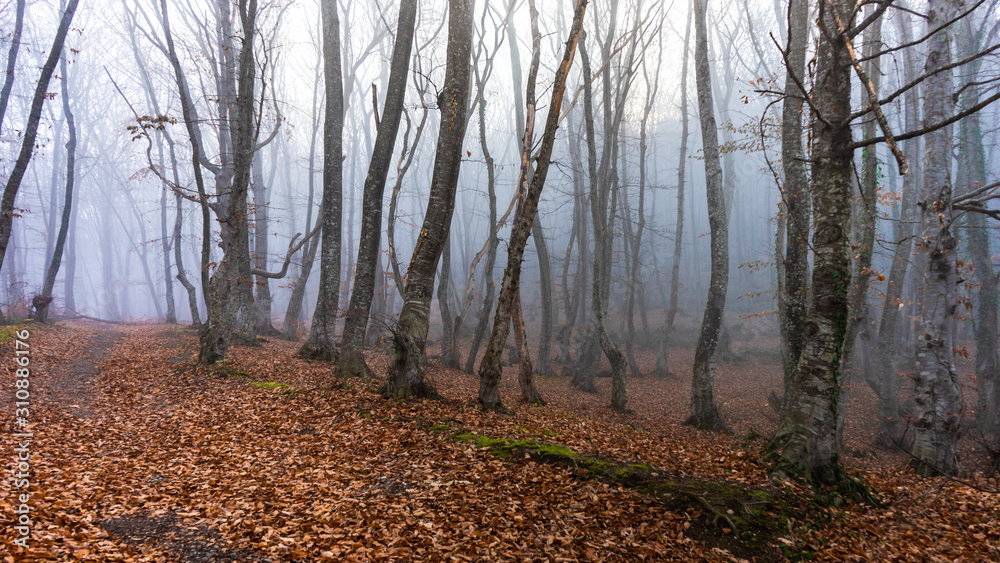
(439, 428)
(745, 522)
(7, 333)
(268, 384)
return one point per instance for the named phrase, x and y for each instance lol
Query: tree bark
(935, 382)
(491, 369)
(704, 414)
(321, 344)
(352, 361)
(973, 172)
(794, 297)
(405, 377)
(805, 443)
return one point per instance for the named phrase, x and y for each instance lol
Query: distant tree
(44, 299)
(7, 212)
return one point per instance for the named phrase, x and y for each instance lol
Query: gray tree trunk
(405, 377)
(886, 382)
(793, 298)
(15, 45)
(805, 443)
(704, 414)
(43, 300)
(322, 344)
(31, 131)
(661, 368)
(352, 361)
(972, 172)
(935, 383)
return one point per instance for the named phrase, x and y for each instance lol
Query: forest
(500, 280)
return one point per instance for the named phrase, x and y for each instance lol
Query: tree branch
(932, 127)
(293, 247)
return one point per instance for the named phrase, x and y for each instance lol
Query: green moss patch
(746, 522)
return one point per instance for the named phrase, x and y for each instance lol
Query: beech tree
(322, 344)
(405, 376)
(704, 414)
(352, 361)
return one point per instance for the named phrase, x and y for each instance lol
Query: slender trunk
(866, 216)
(704, 414)
(935, 382)
(31, 131)
(405, 377)
(887, 349)
(794, 296)
(15, 45)
(165, 241)
(449, 356)
(70, 278)
(321, 344)
(493, 242)
(42, 301)
(352, 361)
(490, 369)
(661, 368)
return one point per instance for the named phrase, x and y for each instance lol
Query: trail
(76, 385)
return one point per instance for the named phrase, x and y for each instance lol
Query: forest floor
(138, 455)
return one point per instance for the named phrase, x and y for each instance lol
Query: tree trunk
(972, 172)
(545, 279)
(794, 297)
(935, 383)
(491, 369)
(449, 356)
(493, 242)
(31, 131)
(661, 368)
(15, 45)
(230, 296)
(887, 349)
(165, 241)
(352, 361)
(704, 414)
(45, 299)
(261, 195)
(805, 443)
(321, 344)
(405, 377)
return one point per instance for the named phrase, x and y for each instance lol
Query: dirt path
(77, 383)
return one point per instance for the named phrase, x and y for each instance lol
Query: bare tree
(321, 344)
(935, 382)
(42, 300)
(490, 369)
(31, 130)
(352, 361)
(405, 377)
(704, 414)
(15, 45)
